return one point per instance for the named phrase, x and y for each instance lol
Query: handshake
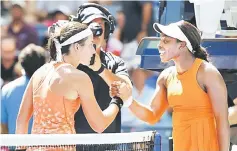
(123, 91)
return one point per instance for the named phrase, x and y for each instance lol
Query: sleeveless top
(194, 126)
(52, 113)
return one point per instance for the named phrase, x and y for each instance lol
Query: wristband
(118, 101)
(128, 102)
(102, 68)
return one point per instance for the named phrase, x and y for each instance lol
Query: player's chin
(164, 59)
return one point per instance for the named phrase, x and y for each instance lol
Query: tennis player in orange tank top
(53, 113)
(193, 88)
(57, 89)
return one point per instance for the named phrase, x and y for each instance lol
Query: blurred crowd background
(24, 29)
(24, 26)
(26, 22)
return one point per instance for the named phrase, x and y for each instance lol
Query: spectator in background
(230, 78)
(144, 84)
(31, 58)
(61, 13)
(114, 45)
(138, 20)
(24, 33)
(115, 68)
(18, 70)
(138, 24)
(233, 121)
(231, 85)
(47, 7)
(9, 59)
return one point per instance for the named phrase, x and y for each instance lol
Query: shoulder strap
(197, 64)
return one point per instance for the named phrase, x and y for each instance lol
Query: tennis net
(135, 141)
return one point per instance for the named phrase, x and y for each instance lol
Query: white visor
(173, 30)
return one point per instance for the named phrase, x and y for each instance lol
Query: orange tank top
(184, 92)
(52, 113)
(194, 125)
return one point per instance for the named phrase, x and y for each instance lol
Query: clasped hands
(120, 89)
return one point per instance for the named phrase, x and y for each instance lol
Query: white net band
(72, 139)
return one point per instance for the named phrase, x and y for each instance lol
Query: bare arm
(152, 113)
(97, 119)
(217, 92)
(26, 110)
(159, 104)
(110, 77)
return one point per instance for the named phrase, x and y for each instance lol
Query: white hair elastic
(77, 37)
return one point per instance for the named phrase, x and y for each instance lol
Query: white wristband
(128, 102)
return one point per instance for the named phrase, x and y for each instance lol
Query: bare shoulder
(69, 81)
(70, 73)
(209, 73)
(42, 70)
(162, 79)
(76, 80)
(208, 69)
(41, 73)
(166, 72)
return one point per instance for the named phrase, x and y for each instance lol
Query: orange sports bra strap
(196, 65)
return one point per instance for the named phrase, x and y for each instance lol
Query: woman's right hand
(120, 89)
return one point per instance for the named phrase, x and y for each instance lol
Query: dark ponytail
(52, 48)
(201, 53)
(194, 36)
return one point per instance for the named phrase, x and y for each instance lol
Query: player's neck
(98, 51)
(184, 62)
(67, 59)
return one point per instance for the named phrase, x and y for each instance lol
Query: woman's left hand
(120, 89)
